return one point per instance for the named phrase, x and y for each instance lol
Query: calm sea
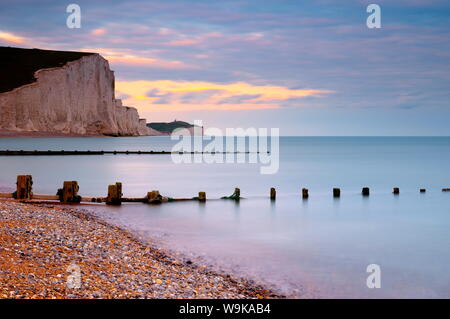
(319, 247)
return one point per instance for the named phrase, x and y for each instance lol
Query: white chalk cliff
(75, 98)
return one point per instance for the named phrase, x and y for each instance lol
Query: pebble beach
(43, 247)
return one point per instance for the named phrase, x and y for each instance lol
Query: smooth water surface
(318, 247)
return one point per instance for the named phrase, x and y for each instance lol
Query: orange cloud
(179, 43)
(99, 31)
(9, 37)
(167, 95)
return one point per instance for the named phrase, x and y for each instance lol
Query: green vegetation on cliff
(169, 127)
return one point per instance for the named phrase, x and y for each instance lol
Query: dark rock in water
(235, 196)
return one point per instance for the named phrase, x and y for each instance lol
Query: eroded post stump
(396, 190)
(273, 193)
(24, 187)
(69, 192)
(114, 194)
(365, 191)
(305, 193)
(423, 190)
(202, 197)
(237, 193)
(154, 197)
(336, 192)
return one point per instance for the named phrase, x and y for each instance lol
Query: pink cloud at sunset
(182, 43)
(99, 31)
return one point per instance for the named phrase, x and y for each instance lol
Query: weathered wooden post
(237, 193)
(273, 193)
(336, 192)
(69, 192)
(423, 190)
(396, 191)
(24, 187)
(202, 197)
(114, 194)
(365, 191)
(305, 193)
(154, 197)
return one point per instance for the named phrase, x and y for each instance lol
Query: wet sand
(42, 246)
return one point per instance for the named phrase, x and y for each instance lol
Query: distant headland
(167, 128)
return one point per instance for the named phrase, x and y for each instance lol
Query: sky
(305, 67)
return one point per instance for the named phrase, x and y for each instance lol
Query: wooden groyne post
(422, 190)
(365, 191)
(237, 193)
(336, 192)
(305, 193)
(76, 152)
(202, 197)
(69, 192)
(396, 191)
(273, 193)
(114, 194)
(154, 197)
(24, 187)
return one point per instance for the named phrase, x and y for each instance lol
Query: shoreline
(29, 134)
(39, 243)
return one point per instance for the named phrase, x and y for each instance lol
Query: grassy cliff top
(17, 66)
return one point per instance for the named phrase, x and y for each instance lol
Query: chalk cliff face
(128, 120)
(75, 98)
